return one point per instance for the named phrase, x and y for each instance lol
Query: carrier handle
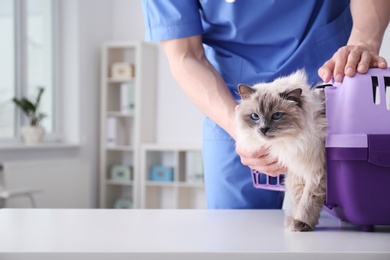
(322, 86)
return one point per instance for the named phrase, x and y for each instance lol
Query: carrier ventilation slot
(254, 178)
(375, 90)
(387, 92)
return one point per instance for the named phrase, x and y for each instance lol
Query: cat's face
(271, 112)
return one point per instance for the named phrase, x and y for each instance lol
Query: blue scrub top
(251, 41)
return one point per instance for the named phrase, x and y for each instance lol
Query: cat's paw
(292, 224)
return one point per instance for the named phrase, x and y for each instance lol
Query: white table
(179, 234)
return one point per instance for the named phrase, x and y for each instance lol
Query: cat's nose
(264, 130)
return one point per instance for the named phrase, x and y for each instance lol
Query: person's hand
(260, 161)
(348, 60)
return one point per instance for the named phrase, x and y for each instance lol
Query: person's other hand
(260, 161)
(348, 60)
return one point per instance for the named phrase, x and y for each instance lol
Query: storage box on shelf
(172, 176)
(127, 119)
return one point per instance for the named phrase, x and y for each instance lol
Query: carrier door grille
(387, 92)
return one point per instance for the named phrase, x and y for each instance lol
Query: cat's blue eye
(255, 116)
(277, 115)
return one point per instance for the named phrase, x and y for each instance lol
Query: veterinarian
(213, 45)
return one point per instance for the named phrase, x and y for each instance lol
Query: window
(7, 68)
(27, 62)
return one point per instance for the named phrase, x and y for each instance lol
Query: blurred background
(69, 47)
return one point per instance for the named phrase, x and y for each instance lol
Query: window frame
(21, 70)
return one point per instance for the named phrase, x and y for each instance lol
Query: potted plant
(34, 132)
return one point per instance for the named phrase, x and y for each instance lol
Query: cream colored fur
(302, 153)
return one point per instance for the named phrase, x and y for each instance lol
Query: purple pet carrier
(263, 181)
(357, 150)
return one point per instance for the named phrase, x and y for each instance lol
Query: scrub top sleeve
(171, 19)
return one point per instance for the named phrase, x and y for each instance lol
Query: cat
(288, 118)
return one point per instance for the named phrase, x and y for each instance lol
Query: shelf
(122, 148)
(127, 117)
(186, 190)
(125, 183)
(109, 80)
(171, 184)
(172, 147)
(119, 114)
(159, 183)
(198, 185)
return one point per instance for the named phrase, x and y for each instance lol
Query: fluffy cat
(289, 118)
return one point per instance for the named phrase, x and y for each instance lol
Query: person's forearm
(200, 81)
(370, 20)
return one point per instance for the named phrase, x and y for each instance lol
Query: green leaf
(38, 100)
(30, 109)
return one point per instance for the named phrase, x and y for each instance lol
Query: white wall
(385, 50)
(61, 183)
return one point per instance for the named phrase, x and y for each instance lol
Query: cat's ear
(299, 77)
(293, 95)
(245, 91)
